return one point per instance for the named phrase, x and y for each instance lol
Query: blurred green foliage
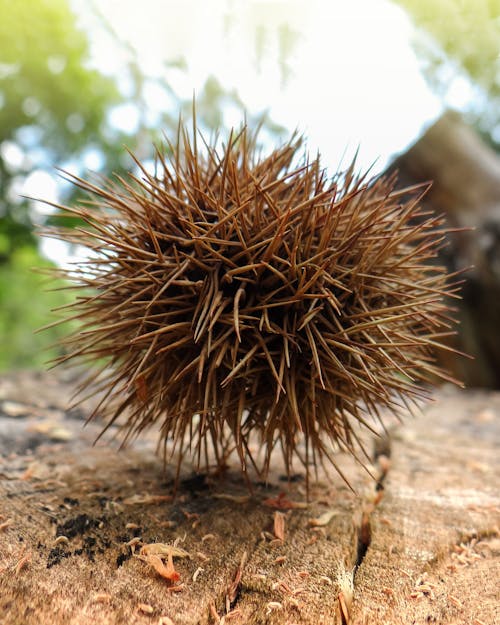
(44, 76)
(25, 303)
(462, 37)
(51, 107)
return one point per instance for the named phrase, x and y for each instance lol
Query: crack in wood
(381, 457)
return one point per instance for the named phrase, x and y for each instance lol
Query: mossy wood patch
(420, 545)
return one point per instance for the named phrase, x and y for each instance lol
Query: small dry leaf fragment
(15, 409)
(167, 571)
(233, 587)
(5, 525)
(234, 498)
(455, 601)
(164, 550)
(197, 572)
(146, 499)
(22, 563)
(343, 608)
(180, 539)
(37, 471)
(265, 536)
(232, 614)
(282, 586)
(279, 525)
(281, 502)
(102, 597)
(164, 523)
(61, 540)
(323, 519)
(423, 588)
(191, 515)
(213, 612)
(273, 605)
(260, 577)
(177, 588)
(464, 554)
(60, 433)
(345, 581)
(133, 542)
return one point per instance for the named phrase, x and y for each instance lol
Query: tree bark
(418, 544)
(465, 175)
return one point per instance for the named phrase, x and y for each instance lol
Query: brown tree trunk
(465, 175)
(79, 525)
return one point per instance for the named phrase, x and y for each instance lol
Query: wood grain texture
(423, 549)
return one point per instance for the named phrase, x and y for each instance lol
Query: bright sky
(352, 78)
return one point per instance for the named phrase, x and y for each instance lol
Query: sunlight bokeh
(342, 72)
(82, 81)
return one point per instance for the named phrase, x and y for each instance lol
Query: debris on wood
(324, 519)
(61, 540)
(345, 582)
(146, 499)
(79, 497)
(167, 571)
(22, 563)
(233, 588)
(234, 498)
(273, 605)
(197, 572)
(281, 502)
(164, 550)
(208, 537)
(145, 608)
(279, 525)
(102, 597)
(5, 525)
(213, 612)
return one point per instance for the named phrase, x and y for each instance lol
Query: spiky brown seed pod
(232, 294)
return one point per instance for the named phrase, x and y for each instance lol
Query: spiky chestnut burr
(230, 294)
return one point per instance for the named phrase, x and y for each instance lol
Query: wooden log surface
(82, 527)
